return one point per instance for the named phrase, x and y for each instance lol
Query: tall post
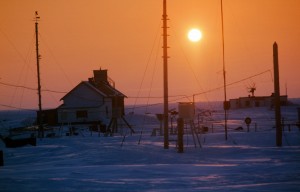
(277, 96)
(180, 125)
(165, 75)
(40, 116)
(1, 158)
(298, 109)
(226, 104)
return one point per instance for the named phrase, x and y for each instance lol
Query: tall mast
(277, 96)
(40, 118)
(226, 104)
(165, 75)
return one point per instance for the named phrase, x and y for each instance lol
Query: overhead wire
(232, 83)
(19, 108)
(149, 93)
(26, 72)
(176, 97)
(30, 88)
(147, 65)
(55, 60)
(25, 62)
(13, 46)
(193, 72)
(26, 65)
(57, 64)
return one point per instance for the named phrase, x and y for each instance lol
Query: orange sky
(124, 36)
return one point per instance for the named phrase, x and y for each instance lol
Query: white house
(92, 101)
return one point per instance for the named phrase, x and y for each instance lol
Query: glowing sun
(194, 35)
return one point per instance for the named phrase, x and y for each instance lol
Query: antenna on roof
(252, 89)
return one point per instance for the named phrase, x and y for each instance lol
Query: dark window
(81, 114)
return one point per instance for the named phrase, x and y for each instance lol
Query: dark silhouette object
(165, 76)
(277, 96)
(248, 122)
(38, 57)
(180, 126)
(252, 89)
(298, 123)
(239, 128)
(14, 143)
(173, 115)
(160, 117)
(98, 126)
(1, 159)
(113, 125)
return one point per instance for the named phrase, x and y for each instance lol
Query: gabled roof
(105, 90)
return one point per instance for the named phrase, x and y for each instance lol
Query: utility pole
(40, 116)
(165, 76)
(226, 104)
(277, 96)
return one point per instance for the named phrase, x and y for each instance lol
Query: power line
(13, 107)
(235, 82)
(152, 97)
(30, 88)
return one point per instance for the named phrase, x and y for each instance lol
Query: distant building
(256, 101)
(92, 101)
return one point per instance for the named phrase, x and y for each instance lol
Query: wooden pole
(180, 125)
(298, 109)
(226, 104)
(165, 76)
(40, 116)
(277, 96)
(1, 158)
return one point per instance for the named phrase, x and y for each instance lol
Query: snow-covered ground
(247, 161)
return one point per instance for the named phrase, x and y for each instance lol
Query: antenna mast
(165, 75)
(40, 117)
(277, 96)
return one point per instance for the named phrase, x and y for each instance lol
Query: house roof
(107, 89)
(104, 89)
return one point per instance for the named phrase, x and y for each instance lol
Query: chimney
(100, 76)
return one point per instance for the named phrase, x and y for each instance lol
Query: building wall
(83, 96)
(84, 105)
(85, 115)
(248, 102)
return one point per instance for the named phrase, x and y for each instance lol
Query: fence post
(1, 159)
(298, 114)
(282, 123)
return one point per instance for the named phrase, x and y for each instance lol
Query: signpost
(248, 122)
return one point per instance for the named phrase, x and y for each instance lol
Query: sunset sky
(124, 37)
